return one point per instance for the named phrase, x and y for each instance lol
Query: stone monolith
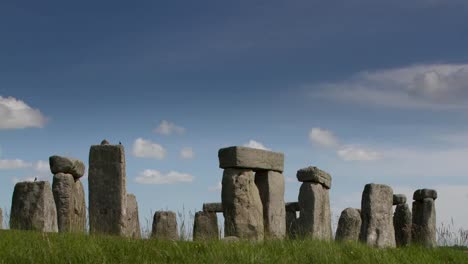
(165, 226)
(70, 203)
(133, 223)
(402, 223)
(315, 216)
(349, 225)
(424, 218)
(291, 219)
(205, 226)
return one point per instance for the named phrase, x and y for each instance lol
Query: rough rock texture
(165, 226)
(213, 207)
(315, 216)
(314, 174)
(70, 203)
(349, 225)
(399, 199)
(422, 194)
(133, 222)
(107, 193)
(250, 158)
(71, 166)
(33, 207)
(402, 223)
(377, 216)
(423, 229)
(205, 226)
(243, 209)
(291, 224)
(270, 185)
(1, 218)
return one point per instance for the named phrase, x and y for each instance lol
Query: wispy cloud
(12, 164)
(146, 149)
(169, 128)
(16, 114)
(323, 137)
(216, 188)
(157, 177)
(187, 153)
(255, 144)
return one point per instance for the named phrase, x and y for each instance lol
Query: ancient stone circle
(252, 203)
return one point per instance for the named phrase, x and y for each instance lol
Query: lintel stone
(250, 158)
(213, 207)
(314, 174)
(421, 194)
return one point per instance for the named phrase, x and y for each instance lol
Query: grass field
(34, 247)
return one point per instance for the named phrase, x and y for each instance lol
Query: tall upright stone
(33, 207)
(314, 203)
(165, 226)
(107, 190)
(133, 223)
(377, 216)
(70, 203)
(205, 226)
(424, 218)
(402, 222)
(349, 225)
(291, 219)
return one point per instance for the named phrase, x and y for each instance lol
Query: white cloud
(15, 114)
(146, 149)
(42, 166)
(168, 128)
(357, 153)
(323, 137)
(156, 177)
(217, 188)
(436, 86)
(256, 145)
(13, 164)
(187, 153)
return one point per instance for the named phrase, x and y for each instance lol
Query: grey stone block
(66, 165)
(424, 223)
(250, 158)
(205, 226)
(349, 225)
(314, 174)
(422, 194)
(291, 224)
(133, 222)
(402, 222)
(213, 207)
(399, 199)
(165, 226)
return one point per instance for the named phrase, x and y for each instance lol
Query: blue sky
(370, 91)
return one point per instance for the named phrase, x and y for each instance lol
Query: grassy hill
(34, 247)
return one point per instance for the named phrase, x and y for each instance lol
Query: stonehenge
(423, 229)
(68, 193)
(377, 216)
(33, 207)
(165, 226)
(291, 219)
(252, 193)
(205, 226)
(349, 225)
(314, 204)
(402, 221)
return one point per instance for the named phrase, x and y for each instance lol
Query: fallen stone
(133, 222)
(402, 223)
(270, 185)
(422, 194)
(213, 207)
(66, 165)
(205, 226)
(423, 229)
(377, 216)
(70, 203)
(314, 174)
(250, 158)
(315, 215)
(33, 207)
(399, 199)
(349, 225)
(243, 209)
(165, 226)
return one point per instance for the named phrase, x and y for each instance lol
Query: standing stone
(271, 188)
(107, 193)
(402, 224)
(315, 215)
(70, 202)
(133, 222)
(165, 226)
(243, 209)
(71, 166)
(205, 226)
(33, 207)
(291, 219)
(349, 225)
(424, 218)
(1, 218)
(377, 216)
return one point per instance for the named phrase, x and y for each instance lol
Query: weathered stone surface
(133, 222)
(230, 239)
(243, 209)
(377, 216)
(250, 158)
(71, 166)
(292, 207)
(402, 223)
(1, 218)
(349, 225)
(399, 199)
(270, 185)
(291, 224)
(315, 216)
(165, 226)
(33, 207)
(422, 194)
(107, 193)
(70, 203)
(213, 207)
(423, 229)
(314, 174)
(205, 226)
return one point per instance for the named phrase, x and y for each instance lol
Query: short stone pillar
(33, 207)
(292, 219)
(401, 221)
(314, 203)
(133, 222)
(424, 218)
(377, 216)
(349, 225)
(253, 193)
(205, 226)
(165, 226)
